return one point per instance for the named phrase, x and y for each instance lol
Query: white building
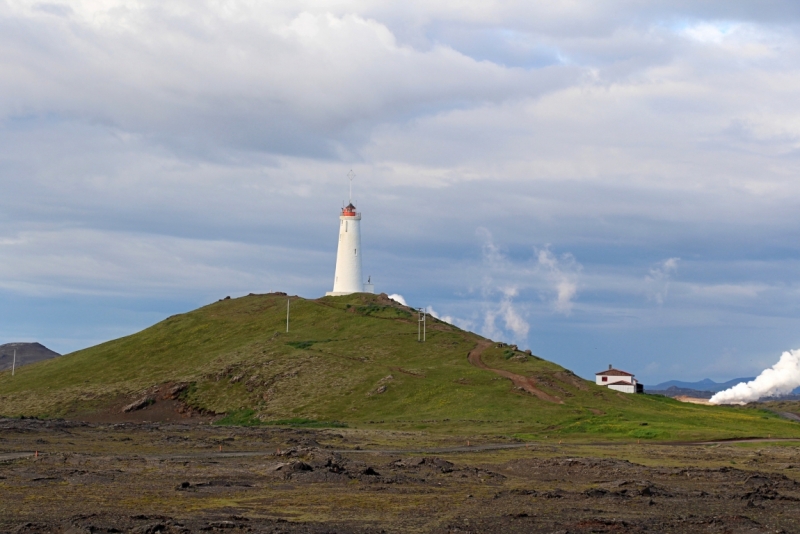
(348, 278)
(618, 381)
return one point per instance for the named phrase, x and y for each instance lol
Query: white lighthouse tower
(348, 278)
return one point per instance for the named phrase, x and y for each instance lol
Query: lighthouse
(348, 278)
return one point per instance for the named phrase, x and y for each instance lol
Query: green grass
(356, 360)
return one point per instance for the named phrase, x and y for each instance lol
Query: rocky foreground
(58, 476)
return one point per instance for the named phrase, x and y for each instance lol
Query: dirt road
(522, 382)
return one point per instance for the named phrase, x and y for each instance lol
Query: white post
(14, 363)
(421, 321)
(287, 315)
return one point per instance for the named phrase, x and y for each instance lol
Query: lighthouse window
(345, 226)
(356, 251)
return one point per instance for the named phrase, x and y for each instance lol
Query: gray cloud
(183, 150)
(206, 80)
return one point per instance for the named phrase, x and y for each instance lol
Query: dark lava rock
(175, 391)
(138, 404)
(409, 462)
(301, 466)
(443, 465)
(26, 528)
(757, 481)
(152, 528)
(222, 524)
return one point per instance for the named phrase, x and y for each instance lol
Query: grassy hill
(356, 360)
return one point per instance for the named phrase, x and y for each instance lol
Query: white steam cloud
(780, 379)
(500, 267)
(659, 278)
(512, 319)
(429, 310)
(446, 318)
(563, 275)
(398, 298)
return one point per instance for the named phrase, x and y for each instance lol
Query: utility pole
(287, 315)
(14, 363)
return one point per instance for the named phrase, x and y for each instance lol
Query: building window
(605, 379)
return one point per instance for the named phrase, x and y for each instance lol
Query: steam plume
(562, 273)
(780, 379)
(398, 298)
(659, 278)
(445, 318)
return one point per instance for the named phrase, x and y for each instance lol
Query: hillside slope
(356, 359)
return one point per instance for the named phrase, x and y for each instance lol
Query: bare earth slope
(524, 383)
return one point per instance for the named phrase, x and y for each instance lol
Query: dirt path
(485, 447)
(523, 382)
(10, 456)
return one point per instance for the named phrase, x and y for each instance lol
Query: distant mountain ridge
(703, 385)
(700, 389)
(27, 353)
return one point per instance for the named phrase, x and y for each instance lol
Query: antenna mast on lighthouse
(351, 175)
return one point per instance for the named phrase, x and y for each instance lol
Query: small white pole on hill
(14, 363)
(287, 315)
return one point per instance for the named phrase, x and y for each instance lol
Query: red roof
(349, 211)
(613, 372)
(619, 383)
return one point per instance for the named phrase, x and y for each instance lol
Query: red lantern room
(349, 211)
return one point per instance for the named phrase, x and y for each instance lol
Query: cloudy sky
(603, 182)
